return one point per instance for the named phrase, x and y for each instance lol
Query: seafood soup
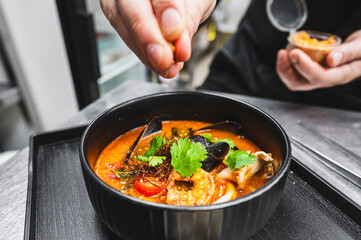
(185, 163)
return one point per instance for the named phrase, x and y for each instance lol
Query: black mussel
(216, 153)
(228, 126)
(155, 125)
(199, 138)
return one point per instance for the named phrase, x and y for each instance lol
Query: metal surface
(342, 127)
(347, 173)
(64, 212)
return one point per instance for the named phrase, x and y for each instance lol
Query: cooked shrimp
(230, 194)
(200, 193)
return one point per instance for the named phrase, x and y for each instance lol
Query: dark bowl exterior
(132, 218)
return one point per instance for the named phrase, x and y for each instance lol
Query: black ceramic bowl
(132, 218)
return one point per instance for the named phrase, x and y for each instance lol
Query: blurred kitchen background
(58, 56)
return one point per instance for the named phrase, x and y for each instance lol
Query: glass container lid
(287, 15)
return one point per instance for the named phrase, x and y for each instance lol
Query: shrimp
(230, 194)
(200, 193)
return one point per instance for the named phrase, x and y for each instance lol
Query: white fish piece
(240, 175)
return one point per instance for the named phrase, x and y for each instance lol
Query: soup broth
(176, 170)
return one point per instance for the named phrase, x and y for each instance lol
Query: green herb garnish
(187, 156)
(156, 160)
(151, 160)
(155, 144)
(239, 159)
(226, 140)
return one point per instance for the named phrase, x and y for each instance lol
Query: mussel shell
(228, 126)
(155, 125)
(216, 153)
(199, 138)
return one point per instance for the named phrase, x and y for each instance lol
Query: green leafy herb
(149, 157)
(230, 152)
(122, 173)
(226, 140)
(239, 159)
(155, 144)
(151, 160)
(156, 160)
(187, 156)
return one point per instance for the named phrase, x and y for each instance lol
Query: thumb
(171, 16)
(346, 52)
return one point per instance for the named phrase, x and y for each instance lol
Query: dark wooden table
(335, 134)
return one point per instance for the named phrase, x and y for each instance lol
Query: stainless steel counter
(335, 134)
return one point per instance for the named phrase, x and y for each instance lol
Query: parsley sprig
(239, 158)
(149, 157)
(234, 159)
(187, 156)
(151, 160)
(155, 144)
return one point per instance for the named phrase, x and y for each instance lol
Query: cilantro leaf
(148, 157)
(142, 158)
(187, 156)
(156, 160)
(155, 144)
(239, 159)
(230, 152)
(151, 160)
(209, 137)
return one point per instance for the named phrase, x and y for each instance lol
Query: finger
(112, 13)
(173, 70)
(353, 36)
(288, 75)
(144, 30)
(345, 53)
(171, 15)
(319, 77)
(344, 73)
(307, 68)
(183, 47)
(180, 66)
(207, 9)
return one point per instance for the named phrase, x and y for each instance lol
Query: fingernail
(155, 53)
(294, 59)
(337, 58)
(166, 73)
(170, 21)
(180, 65)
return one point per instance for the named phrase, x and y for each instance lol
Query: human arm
(148, 26)
(299, 73)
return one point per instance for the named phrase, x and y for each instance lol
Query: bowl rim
(281, 172)
(338, 40)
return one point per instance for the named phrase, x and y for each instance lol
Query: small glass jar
(315, 44)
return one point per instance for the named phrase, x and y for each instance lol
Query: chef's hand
(148, 26)
(299, 73)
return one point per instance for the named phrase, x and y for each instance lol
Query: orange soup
(185, 163)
